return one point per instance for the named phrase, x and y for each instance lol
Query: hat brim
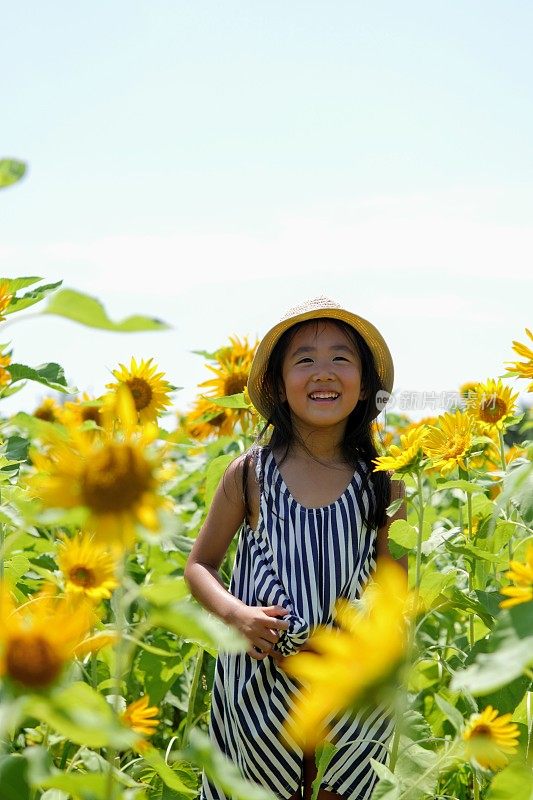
(374, 339)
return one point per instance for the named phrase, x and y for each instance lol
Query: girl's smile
(321, 375)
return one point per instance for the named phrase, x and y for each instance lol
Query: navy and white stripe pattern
(302, 559)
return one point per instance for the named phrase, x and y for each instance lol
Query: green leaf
(230, 401)
(14, 284)
(432, 584)
(169, 777)
(165, 591)
(515, 781)
(51, 375)
(388, 787)
(14, 777)
(215, 471)
(16, 448)
(465, 486)
(450, 712)
(417, 769)
(490, 671)
(11, 171)
(221, 770)
(84, 786)
(89, 311)
(82, 715)
(30, 298)
(195, 625)
(403, 536)
(323, 756)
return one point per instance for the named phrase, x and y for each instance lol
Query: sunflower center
(45, 414)
(235, 383)
(141, 392)
(115, 478)
(32, 661)
(82, 576)
(492, 408)
(92, 413)
(456, 445)
(481, 730)
(217, 420)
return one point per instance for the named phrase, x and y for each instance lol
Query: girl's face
(321, 376)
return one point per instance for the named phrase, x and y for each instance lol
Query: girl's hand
(261, 626)
(279, 658)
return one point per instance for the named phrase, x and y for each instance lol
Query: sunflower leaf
(11, 171)
(169, 777)
(193, 624)
(14, 284)
(215, 471)
(50, 375)
(31, 297)
(89, 311)
(230, 401)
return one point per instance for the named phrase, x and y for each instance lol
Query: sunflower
(139, 716)
(49, 410)
(5, 298)
(522, 576)
(466, 388)
(206, 420)
(88, 567)
(406, 457)
(149, 391)
(231, 368)
(349, 660)
(40, 637)
(524, 369)
(490, 738)
(114, 479)
(448, 444)
(5, 375)
(82, 410)
(491, 404)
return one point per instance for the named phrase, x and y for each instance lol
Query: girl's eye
(305, 360)
(340, 358)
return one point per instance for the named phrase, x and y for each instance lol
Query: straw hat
(317, 308)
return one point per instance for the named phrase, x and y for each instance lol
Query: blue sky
(213, 163)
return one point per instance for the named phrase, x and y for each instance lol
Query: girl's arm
(258, 624)
(397, 491)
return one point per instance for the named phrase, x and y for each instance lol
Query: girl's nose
(323, 373)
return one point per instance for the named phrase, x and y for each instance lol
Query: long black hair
(358, 442)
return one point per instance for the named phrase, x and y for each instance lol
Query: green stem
(118, 606)
(508, 505)
(420, 511)
(471, 634)
(475, 785)
(192, 697)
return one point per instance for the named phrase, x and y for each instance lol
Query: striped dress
(302, 559)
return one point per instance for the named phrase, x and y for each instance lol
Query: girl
(313, 521)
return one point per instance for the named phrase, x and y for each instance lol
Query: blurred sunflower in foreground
(5, 298)
(48, 410)
(231, 367)
(5, 375)
(112, 475)
(490, 739)
(522, 577)
(352, 659)
(523, 369)
(148, 388)
(82, 410)
(39, 637)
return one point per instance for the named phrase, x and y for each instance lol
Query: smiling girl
(312, 515)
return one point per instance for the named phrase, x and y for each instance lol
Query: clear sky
(212, 163)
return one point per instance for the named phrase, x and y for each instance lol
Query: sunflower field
(106, 661)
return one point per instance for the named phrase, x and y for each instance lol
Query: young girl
(312, 518)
